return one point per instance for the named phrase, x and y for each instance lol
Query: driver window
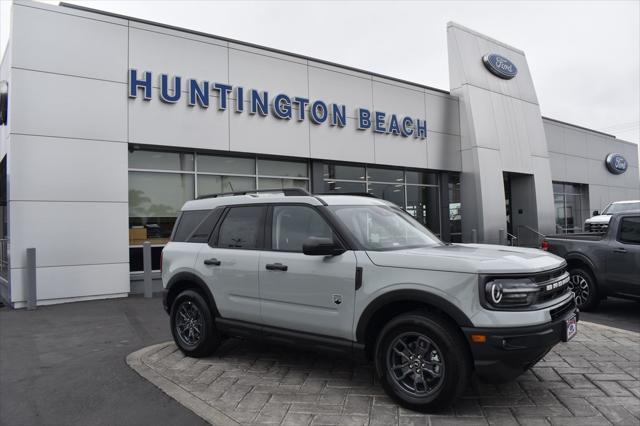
(293, 224)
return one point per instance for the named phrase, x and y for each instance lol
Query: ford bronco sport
(358, 274)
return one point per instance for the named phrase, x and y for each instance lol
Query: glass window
(293, 224)
(274, 183)
(341, 172)
(189, 221)
(455, 212)
(422, 178)
(385, 175)
(282, 168)
(389, 192)
(630, 230)
(222, 165)
(343, 187)
(161, 160)
(423, 203)
(381, 228)
(242, 228)
(212, 184)
(154, 202)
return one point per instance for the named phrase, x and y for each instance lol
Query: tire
(428, 386)
(583, 285)
(192, 325)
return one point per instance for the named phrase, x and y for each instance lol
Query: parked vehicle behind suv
(602, 264)
(600, 221)
(357, 274)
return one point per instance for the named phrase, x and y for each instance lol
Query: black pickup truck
(602, 264)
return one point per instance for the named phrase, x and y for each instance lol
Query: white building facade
(111, 123)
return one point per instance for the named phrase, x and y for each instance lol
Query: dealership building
(109, 124)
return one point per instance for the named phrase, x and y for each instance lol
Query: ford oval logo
(500, 66)
(616, 163)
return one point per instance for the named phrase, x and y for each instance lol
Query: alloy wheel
(189, 323)
(415, 364)
(580, 288)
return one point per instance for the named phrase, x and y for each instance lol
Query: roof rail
(288, 192)
(359, 194)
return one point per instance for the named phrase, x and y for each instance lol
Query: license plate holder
(570, 328)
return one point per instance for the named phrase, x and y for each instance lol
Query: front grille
(549, 275)
(563, 310)
(596, 227)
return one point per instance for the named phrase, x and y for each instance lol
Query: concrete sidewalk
(592, 380)
(65, 365)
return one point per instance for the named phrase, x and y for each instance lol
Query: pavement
(65, 365)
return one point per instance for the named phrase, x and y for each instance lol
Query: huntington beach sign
(261, 103)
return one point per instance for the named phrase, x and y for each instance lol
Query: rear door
(623, 259)
(229, 263)
(313, 294)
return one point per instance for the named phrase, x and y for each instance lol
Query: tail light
(545, 245)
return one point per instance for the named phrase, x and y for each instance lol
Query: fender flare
(383, 300)
(199, 283)
(582, 258)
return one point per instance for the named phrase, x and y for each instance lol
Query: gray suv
(357, 274)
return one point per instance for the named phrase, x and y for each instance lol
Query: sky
(584, 55)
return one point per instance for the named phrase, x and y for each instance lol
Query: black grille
(549, 275)
(561, 311)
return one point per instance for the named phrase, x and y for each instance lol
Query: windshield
(621, 207)
(381, 228)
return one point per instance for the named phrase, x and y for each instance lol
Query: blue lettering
(198, 95)
(282, 107)
(239, 99)
(302, 104)
(407, 126)
(338, 115)
(364, 118)
(394, 129)
(421, 129)
(135, 84)
(259, 104)
(379, 126)
(164, 89)
(223, 91)
(318, 112)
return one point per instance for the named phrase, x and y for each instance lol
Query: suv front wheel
(192, 325)
(422, 361)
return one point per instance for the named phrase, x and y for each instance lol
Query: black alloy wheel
(584, 288)
(192, 325)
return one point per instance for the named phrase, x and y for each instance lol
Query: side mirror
(596, 213)
(317, 246)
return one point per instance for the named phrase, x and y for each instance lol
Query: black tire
(192, 325)
(437, 391)
(583, 285)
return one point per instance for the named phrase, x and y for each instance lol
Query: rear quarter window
(195, 226)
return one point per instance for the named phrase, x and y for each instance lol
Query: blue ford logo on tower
(500, 66)
(616, 163)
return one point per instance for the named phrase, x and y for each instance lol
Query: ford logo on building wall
(500, 66)
(616, 163)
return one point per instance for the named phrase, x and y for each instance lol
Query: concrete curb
(202, 409)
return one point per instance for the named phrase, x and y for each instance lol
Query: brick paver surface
(592, 380)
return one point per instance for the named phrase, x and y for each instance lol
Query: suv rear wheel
(422, 361)
(192, 325)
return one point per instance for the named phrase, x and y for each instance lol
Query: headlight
(508, 293)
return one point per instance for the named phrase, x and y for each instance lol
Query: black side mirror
(596, 213)
(317, 246)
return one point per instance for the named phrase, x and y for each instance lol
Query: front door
(313, 294)
(229, 263)
(623, 259)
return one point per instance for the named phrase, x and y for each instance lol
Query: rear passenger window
(189, 221)
(630, 230)
(242, 228)
(294, 224)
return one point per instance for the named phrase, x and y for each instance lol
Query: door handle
(276, 267)
(620, 250)
(213, 261)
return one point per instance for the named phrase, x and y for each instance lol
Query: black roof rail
(359, 194)
(288, 192)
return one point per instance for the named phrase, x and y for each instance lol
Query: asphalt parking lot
(65, 365)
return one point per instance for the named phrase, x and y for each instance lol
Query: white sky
(584, 55)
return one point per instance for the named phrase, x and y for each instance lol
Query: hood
(603, 218)
(469, 258)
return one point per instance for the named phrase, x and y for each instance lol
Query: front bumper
(509, 352)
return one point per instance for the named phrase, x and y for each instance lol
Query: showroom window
(455, 205)
(160, 182)
(416, 191)
(571, 206)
